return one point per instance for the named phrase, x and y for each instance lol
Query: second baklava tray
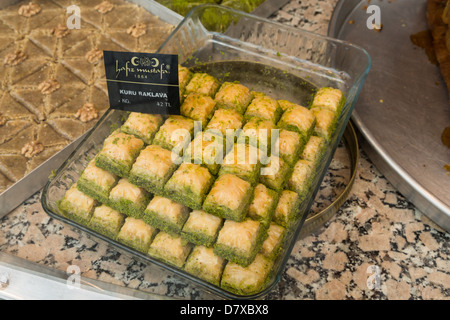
(203, 202)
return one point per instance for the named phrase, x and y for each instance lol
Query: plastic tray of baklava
(221, 210)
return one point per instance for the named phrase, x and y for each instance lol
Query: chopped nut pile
(29, 10)
(87, 113)
(137, 30)
(49, 86)
(60, 31)
(104, 7)
(94, 56)
(32, 149)
(13, 59)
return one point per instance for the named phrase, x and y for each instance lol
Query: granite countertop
(377, 234)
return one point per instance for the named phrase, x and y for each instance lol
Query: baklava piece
(298, 119)
(264, 107)
(170, 248)
(263, 205)
(118, 154)
(225, 121)
(184, 76)
(243, 161)
(233, 96)
(201, 228)
(229, 198)
(247, 280)
(189, 185)
(286, 104)
(205, 264)
(326, 122)
(107, 221)
(128, 199)
(208, 150)
(96, 182)
(143, 126)
(77, 206)
(198, 107)
(301, 177)
(175, 134)
(135, 233)
(203, 83)
(272, 246)
(240, 242)
(166, 215)
(314, 149)
(289, 146)
(152, 169)
(287, 208)
(329, 98)
(275, 174)
(258, 133)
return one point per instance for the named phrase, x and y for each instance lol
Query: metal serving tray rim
(422, 198)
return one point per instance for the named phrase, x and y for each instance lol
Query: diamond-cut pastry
(48, 72)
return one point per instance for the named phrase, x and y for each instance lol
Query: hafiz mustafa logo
(141, 67)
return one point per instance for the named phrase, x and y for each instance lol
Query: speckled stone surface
(378, 245)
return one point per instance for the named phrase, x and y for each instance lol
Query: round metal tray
(403, 108)
(315, 222)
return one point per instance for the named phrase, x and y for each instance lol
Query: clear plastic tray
(282, 61)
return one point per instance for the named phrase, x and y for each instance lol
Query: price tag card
(143, 82)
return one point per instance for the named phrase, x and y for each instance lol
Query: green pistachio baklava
(201, 228)
(301, 177)
(213, 191)
(274, 242)
(243, 161)
(275, 174)
(175, 134)
(136, 234)
(96, 182)
(107, 221)
(287, 208)
(143, 126)
(166, 215)
(313, 150)
(229, 198)
(298, 119)
(225, 123)
(263, 205)
(289, 146)
(240, 242)
(128, 199)
(247, 280)
(170, 248)
(119, 152)
(263, 107)
(329, 98)
(198, 107)
(208, 150)
(184, 76)
(77, 206)
(205, 264)
(189, 185)
(258, 133)
(202, 83)
(153, 168)
(233, 96)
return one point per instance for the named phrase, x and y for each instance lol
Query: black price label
(143, 82)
